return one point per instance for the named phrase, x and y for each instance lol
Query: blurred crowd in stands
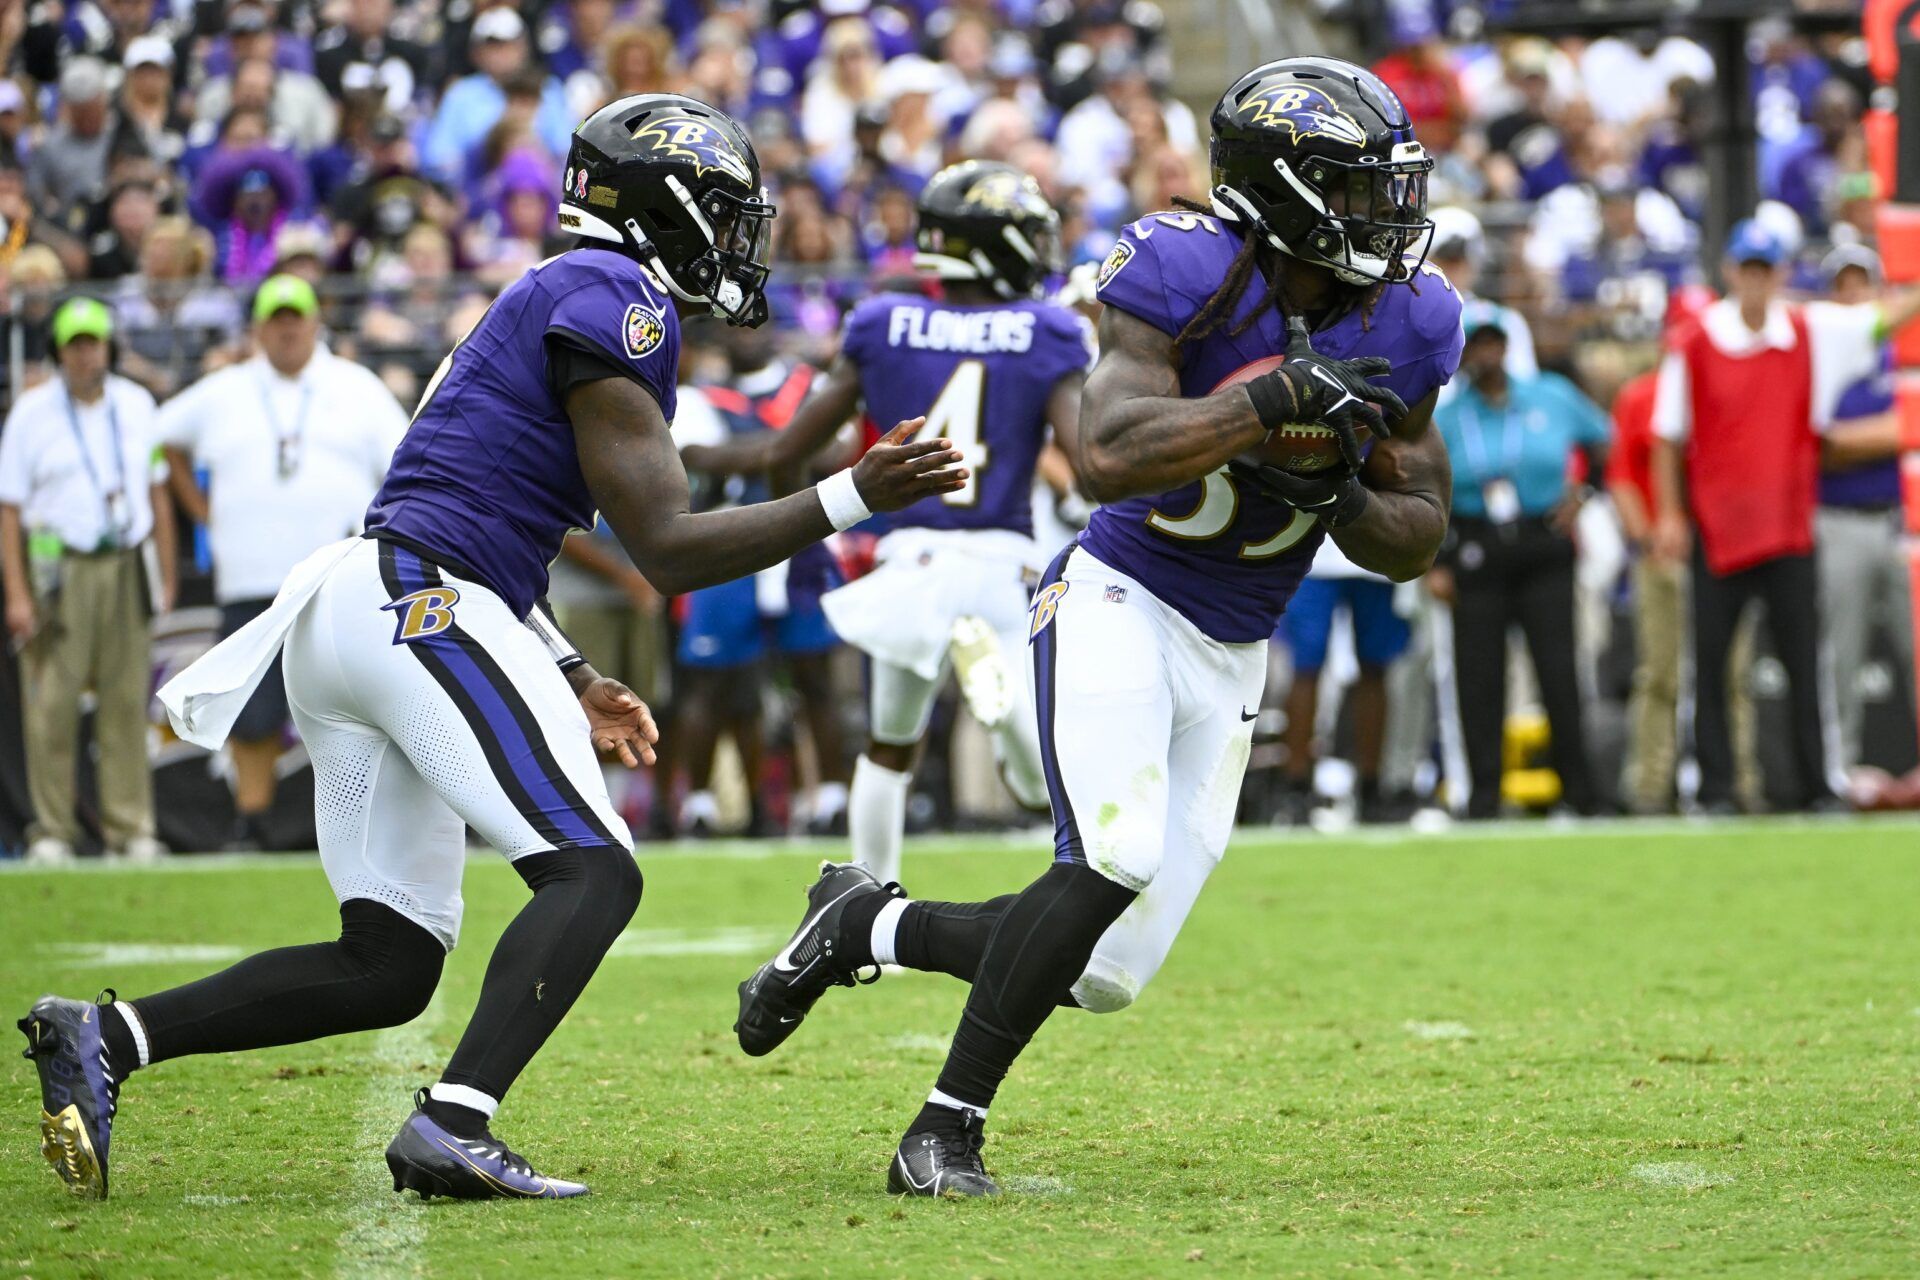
(167, 157)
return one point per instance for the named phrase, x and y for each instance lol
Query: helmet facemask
(1364, 218)
(731, 276)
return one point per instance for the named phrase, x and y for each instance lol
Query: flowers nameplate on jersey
(1306, 113)
(422, 613)
(1121, 255)
(644, 330)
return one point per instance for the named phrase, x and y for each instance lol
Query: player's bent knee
(397, 962)
(1105, 987)
(616, 874)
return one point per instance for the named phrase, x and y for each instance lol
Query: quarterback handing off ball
(1302, 448)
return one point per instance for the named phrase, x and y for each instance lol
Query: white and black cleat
(781, 991)
(942, 1162)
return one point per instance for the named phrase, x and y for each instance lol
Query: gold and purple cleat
(78, 1094)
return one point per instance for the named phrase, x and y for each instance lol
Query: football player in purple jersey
(433, 691)
(995, 368)
(1149, 634)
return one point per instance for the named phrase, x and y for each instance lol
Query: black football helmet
(676, 184)
(988, 222)
(1318, 156)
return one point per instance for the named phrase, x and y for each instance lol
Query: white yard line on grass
(114, 955)
(1438, 1030)
(385, 1231)
(725, 940)
(1682, 1174)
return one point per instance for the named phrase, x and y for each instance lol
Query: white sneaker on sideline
(48, 851)
(144, 849)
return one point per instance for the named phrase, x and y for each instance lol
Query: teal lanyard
(1475, 439)
(111, 500)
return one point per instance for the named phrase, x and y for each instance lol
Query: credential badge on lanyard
(287, 444)
(113, 498)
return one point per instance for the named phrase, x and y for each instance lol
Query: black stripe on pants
(1789, 588)
(1506, 575)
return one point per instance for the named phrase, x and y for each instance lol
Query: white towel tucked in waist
(204, 700)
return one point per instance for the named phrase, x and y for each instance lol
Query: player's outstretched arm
(1138, 434)
(1405, 519)
(631, 467)
(820, 416)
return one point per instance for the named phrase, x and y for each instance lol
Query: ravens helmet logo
(1305, 113)
(684, 137)
(999, 192)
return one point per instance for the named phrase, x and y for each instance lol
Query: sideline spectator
(295, 444)
(1738, 460)
(81, 494)
(1859, 527)
(1509, 558)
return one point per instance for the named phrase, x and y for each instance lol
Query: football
(1300, 447)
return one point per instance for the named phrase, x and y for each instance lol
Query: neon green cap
(81, 318)
(284, 293)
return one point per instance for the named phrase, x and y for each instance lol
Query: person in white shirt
(82, 496)
(294, 443)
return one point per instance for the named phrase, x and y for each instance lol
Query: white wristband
(841, 500)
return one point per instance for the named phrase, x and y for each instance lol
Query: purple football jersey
(486, 478)
(981, 375)
(1224, 555)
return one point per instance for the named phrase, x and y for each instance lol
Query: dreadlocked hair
(1214, 313)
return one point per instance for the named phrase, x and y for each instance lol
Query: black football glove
(1333, 393)
(1335, 495)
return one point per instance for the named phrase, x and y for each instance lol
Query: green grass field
(1527, 1052)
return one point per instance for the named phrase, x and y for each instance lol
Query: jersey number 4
(957, 415)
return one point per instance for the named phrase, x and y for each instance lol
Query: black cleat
(944, 1162)
(781, 991)
(426, 1158)
(78, 1091)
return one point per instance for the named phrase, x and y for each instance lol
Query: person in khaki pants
(79, 500)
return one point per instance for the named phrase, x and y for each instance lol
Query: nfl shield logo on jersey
(1116, 594)
(644, 331)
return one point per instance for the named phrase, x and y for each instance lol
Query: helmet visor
(1382, 208)
(741, 254)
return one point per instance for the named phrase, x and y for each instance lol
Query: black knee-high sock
(948, 937)
(934, 937)
(1038, 949)
(582, 899)
(380, 973)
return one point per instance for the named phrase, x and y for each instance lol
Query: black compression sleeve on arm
(572, 361)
